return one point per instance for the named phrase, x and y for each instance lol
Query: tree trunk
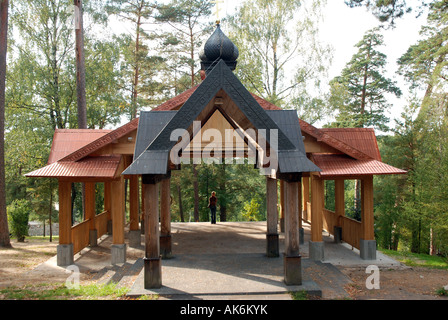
(137, 66)
(49, 216)
(4, 231)
(80, 67)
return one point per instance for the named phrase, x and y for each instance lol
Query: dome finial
(218, 47)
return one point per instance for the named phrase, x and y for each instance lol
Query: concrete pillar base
(301, 236)
(152, 273)
(293, 270)
(118, 253)
(272, 245)
(165, 246)
(65, 255)
(316, 250)
(135, 238)
(367, 249)
(93, 238)
(337, 234)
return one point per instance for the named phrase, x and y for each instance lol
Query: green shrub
(18, 215)
(251, 211)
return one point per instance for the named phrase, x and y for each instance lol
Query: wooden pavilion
(286, 149)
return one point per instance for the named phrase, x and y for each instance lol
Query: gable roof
(102, 141)
(66, 141)
(220, 78)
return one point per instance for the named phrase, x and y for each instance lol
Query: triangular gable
(102, 142)
(154, 160)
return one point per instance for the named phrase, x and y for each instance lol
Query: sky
(342, 27)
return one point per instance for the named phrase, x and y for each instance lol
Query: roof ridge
(102, 141)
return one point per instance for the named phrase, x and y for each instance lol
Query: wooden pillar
(367, 218)
(306, 196)
(133, 203)
(134, 231)
(165, 218)
(118, 249)
(152, 260)
(142, 212)
(317, 202)
(292, 258)
(272, 244)
(316, 247)
(339, 204)
(90, 212)
(299, 212)
(367, 241)
(107, 205)
(65, 247)
(282, 205)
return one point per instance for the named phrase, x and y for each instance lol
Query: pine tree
(4, 232)
(359, 93)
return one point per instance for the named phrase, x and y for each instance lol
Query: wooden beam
(317, 201)
(117, 211)
(133, 203)
(292, 219)
(367, 217)
(65, 212)
(152, 241)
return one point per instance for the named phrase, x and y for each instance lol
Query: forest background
(282, 59)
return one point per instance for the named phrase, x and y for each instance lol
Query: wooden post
(272, 245)
(367, 218)
(165, 219)
(152, 260)
(65, 247)
(133, 203)
(134, 231)
(339, 203)
(317, 199)
(90, 212)
(306, 196)
(142, 212)
(367, 242)
(107, 205)
(299, 212)
(118, 253)
(282, 205)
(316, 246)
(292, 258)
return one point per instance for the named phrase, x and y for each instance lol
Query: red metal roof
(103, 167)
(102, 141)
(66, 141)
(341, 165)
(363, 139)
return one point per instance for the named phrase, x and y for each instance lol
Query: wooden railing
(329, 222)
(80, 232)
(351, 229)
(80, 236)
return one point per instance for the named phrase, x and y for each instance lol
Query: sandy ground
(395, 283)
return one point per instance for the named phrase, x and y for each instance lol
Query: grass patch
(299, 295)
(418, 259)
(59, 291)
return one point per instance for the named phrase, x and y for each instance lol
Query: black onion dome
(217, 47)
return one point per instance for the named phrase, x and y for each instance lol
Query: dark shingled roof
(154, 159)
